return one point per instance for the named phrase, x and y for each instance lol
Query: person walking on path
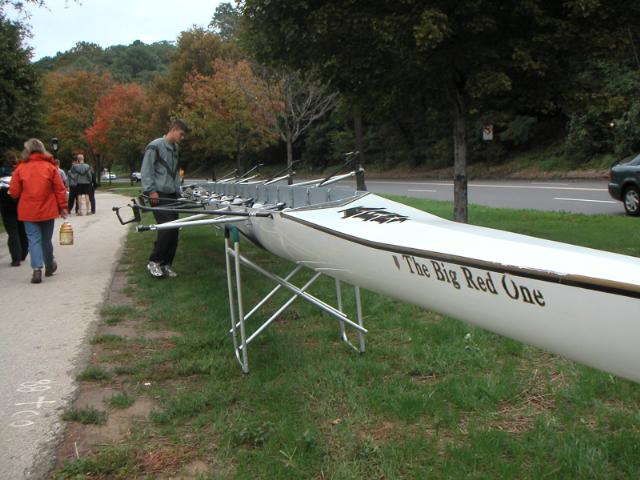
(42, 198)
(63, 176)
(72, 180)
(161, 183)
(17, 236)
(82, 172)
(92, 191)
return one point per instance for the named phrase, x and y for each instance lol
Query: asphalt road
(44, 333)
(575, 196)
(589, 197)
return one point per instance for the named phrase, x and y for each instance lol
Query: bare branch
(305, 101)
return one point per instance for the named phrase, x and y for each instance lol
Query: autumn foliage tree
(195, 52)
(120, 130)
(227, 111)
(70, 100)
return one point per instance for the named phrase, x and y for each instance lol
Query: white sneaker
(166, 269)
(155, 269)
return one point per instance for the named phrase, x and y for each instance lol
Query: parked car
(108, 176)
(136, 177)
(624, 184)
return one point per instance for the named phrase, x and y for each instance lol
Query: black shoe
(15, 263)
(37, 276)
(50, 270)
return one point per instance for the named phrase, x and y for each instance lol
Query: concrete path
(44, 336)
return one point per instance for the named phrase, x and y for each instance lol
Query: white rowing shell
(578, 302)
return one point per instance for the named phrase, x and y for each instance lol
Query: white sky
(113, 22)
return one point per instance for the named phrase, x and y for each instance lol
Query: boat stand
(241, 339)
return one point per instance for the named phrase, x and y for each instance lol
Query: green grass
(114, 314)
(130, 191)
(121, 400)
(432, 397)
(125, 370)
(86, 416)
(112, 462)
(93, 373)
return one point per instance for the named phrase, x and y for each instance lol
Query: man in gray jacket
(161, 183)
(82, 174)
(72, 178)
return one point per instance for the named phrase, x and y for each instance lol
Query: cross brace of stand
(241, 339)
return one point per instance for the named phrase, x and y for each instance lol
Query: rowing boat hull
(578, 302)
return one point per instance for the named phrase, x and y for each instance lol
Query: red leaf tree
(119, 131)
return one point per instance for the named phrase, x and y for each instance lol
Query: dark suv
(624, 185)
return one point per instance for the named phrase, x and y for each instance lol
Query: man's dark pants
(73, 196)
(17, 237)
(166, 244)
(92, 198)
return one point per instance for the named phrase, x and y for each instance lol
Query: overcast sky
(113, 22)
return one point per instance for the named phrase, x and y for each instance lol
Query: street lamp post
(54, 146)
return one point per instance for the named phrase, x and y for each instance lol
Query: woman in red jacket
(41, 193)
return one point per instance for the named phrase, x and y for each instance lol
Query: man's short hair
(180, 125)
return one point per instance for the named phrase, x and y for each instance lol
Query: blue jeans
(40, 244)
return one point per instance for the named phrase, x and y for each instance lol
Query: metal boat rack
(241, 339)
(272, 198)
(302, 194)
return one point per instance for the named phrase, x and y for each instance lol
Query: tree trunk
(357, 124)
(239, 157)
(240, 163)
(98, 169)
(460, 197)
(290, 159)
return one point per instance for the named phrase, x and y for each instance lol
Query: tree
(337, 40)
(226, 111)
(19, 5)
(466, 57)
(194, 55)
(136, 62)
(225, 21)
(529, 53)
(119, 132)
(70, 100)
(19, 93)
(295, 104)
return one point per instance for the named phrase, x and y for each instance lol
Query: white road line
(471, 185)
(431, 191)
(585, 200)
(550, 183)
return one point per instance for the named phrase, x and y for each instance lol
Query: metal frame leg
(241, 348)
(343, 330)
(238, 321)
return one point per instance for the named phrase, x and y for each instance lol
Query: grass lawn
(432, 397)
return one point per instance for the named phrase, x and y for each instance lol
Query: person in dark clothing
(17, 237)
(161, 183)
(92, 191)
(72, 180)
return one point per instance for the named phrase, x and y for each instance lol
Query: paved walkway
(44, 337)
